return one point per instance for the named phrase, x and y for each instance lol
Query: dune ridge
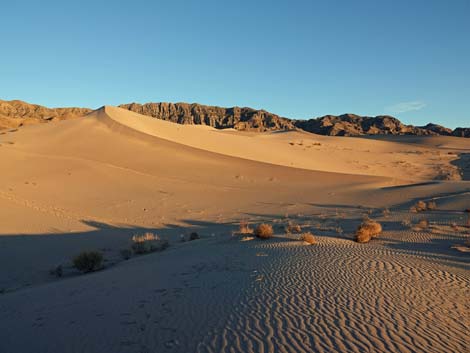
(298, 149)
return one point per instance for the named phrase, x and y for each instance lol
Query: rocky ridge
(17, 113)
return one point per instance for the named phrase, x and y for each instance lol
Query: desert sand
(92, 183)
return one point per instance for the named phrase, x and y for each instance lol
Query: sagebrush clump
(368, 230)
(264, 231)
(422, 224)
(147, 243)
(421, 206)
(293, 228)
(244, 228)
(88, 261)
(308, 238)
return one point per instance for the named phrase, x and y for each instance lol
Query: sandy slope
(92, 183)
(304, 150)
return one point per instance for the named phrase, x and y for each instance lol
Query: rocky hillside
(260, 120)
(461, 132)
(354, 125)
(14, 114)
(17, 113)
(237, 118)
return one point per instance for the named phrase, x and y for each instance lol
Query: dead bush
(264, 231)
(293, 228)
(420, 206)
(244, 228)
(308, 238)
(422, 224)
(147, 243)
(368, 230)
(406, 223)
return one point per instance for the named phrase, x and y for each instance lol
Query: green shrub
(88, 261)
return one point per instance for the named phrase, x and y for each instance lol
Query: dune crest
(298, 149)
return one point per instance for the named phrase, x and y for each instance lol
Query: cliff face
(218, 117)
(16, 113)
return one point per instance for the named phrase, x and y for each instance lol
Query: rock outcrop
(218, 117)
(354, 125)
(16, 113)
(461, 132)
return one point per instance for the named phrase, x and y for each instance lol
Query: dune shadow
(26, 259)
(463, 163)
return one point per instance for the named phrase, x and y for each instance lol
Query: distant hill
(261, 120)
(354, 125)
(17, 113)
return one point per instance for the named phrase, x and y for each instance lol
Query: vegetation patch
(264, 231)
(147, 243)
(88, 261)
(308, 238)
(368, 230)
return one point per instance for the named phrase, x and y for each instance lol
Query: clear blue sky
(299, 59)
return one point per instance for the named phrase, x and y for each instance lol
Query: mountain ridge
(16, 113)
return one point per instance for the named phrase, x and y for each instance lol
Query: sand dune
(304, 150)
(93, 182)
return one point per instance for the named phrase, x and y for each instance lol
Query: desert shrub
(422, 224)
(368, 230)
(147, 243)
(194, 236)
(88, 261)
(264, 231)
(293, 228)
(386, 212)
(406, 223)
(419, 206)
(244, 228)
(126, 254)
(308, 238)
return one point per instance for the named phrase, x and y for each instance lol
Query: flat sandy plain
(92, 183)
